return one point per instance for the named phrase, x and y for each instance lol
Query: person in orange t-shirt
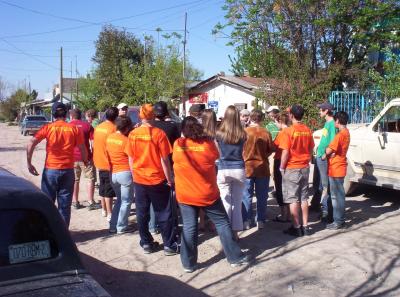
(148, 149)
(58, 174)
(297, 145)
(337, 166)
(100, 159)
(282, 122)
(121, 177)
(194, 157)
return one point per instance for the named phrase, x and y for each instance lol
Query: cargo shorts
(295, 185)
(89, 171)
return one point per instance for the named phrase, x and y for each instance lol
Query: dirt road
(362, 260)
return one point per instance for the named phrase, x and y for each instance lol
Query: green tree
(10, 106)
(114, 50)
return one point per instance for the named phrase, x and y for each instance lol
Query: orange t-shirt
(337, 165)
(101, 133)
(146, 146)
(194, 169)
(299, 141)
(61, 140)
(278, 151)
(115, 147)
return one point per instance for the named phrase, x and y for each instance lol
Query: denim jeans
(58, 184)
(338, 198)
(324, 183)
(160, 197)
(231, 185)
(261, 185)
(278, 182)
(123, 187)
(153, 225)
(218, 216)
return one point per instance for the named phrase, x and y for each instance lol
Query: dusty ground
(362, 260)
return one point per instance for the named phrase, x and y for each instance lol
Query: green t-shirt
(95, 123)
(272, 129)
(328, 134)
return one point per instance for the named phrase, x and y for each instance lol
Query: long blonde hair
(209, 122)
(231, 130)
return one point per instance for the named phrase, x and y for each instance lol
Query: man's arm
(284, 159)
(29, 152)
(166, 165)
(82, 149)
(329, 151)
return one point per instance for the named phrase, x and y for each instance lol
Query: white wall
(225, 95)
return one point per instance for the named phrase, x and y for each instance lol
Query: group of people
(198, 168)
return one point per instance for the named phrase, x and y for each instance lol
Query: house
(220, 91)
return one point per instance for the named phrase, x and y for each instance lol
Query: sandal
(279, 219)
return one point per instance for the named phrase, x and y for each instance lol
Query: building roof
(245, 82)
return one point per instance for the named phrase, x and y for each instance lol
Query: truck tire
(349, 186)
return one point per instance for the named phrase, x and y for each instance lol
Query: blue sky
(29, 49)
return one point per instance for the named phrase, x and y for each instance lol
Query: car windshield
(25, 236)
(36, 119)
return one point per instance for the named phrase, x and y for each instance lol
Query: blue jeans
(324, 183)
(217, 214)
(261, 187)
(123, 187)
(160, 197)
(338, 198)
(58, 184)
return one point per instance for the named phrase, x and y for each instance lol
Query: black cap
(160, 109)
(57, 106)
(326, 105)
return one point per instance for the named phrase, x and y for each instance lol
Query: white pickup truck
(374, 151)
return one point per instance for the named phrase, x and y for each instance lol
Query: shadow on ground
(124, 283)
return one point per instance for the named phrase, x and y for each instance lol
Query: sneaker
(171, 251)
(129, 229)
(306, 230)
(245, 260)
(293, 231)
(112, 231)
(93, 206)
(246, 225)
(189, 269)
(77, 205)
(150, 248)
(103, 213)
(335, 226)
(260, 225)
(155, 231)
(109, 218)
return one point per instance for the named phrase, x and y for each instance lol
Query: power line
(19, 53)
(89, 24)
(29, 55)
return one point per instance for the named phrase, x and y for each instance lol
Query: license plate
(29, 251)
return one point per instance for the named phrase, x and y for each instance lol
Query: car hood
(61, 286)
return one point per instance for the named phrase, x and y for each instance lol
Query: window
(390, 122)
(25, 236)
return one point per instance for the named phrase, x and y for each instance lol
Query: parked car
(32, 123)
(374, 151)
(37, 254)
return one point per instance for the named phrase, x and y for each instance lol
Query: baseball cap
(272, 107)
(57, 106)
(122, 105)
(160, 109)
(326, 105)
(146, 112)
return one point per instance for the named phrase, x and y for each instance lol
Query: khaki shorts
(89, 172)
(295, 185)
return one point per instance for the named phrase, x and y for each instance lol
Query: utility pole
(76, 77)
(145, 68)
(70, 90)
(184, 69)
(61, 75)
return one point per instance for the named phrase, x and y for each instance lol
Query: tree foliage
(134, 71)
(10, 106)
(311, 46)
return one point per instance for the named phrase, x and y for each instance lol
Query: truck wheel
(349, 186)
